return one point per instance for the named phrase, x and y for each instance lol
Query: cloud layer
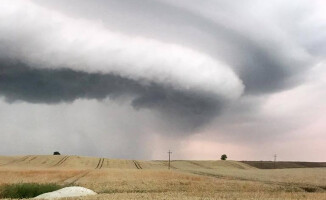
(46, 39)
(52, 86)
(152, 72)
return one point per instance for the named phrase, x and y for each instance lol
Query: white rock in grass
(67, 192)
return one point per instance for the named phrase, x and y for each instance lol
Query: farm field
(131, 179)
(284, 164)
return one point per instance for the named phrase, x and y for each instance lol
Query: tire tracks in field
(24, 158)
(304, 186)
(199, 165)
(100, 163)
(138, 166)
(79, 177)
(33, 158)
(17, 160)
(167, 165)
(61, 161)
(72, 180)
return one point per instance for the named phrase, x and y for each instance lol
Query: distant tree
(56, 153)
(224, 157)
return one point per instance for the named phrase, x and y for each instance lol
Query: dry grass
(110, 181)
(189, 179)
(203, 196)
(310, 176)
(9, 176)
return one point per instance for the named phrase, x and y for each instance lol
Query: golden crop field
(130, 179)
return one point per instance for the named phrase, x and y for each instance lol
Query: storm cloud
(176, 69)
(21, 82)
(265, 60)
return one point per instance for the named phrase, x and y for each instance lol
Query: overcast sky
(133, 79)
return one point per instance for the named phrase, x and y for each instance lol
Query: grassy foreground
(26, 190)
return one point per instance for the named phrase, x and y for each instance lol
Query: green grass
(26, 190)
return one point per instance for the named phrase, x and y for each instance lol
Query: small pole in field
(169, 158)
(275, 156)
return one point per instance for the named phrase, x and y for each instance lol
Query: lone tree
(224, 157)
(56, 153)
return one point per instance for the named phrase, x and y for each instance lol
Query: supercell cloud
(77, 58)
(152, 72)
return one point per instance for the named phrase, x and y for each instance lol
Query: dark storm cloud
(186, 110)
(262, 65)
(263, 73)
(21, 82)
(115, 78)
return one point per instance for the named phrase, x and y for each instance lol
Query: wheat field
(131, 179)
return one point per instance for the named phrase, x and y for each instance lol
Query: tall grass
(26, 190)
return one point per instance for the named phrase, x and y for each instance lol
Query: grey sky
(131, 79)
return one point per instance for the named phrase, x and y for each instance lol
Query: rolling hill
(187, 179)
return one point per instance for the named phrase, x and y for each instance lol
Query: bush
(26, 190)
(224, 157)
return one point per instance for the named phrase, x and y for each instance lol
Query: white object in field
(67, 192)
